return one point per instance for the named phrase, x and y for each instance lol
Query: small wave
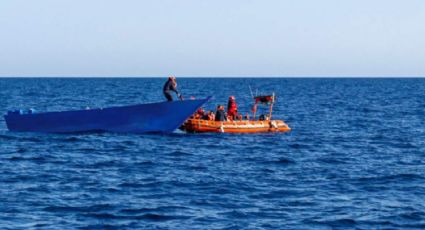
(277, 194)
(346, 222)
(145, 163)
(108, 226)
(21, 138)
(391, 178)
(180, 153)
(235, 214)
(101, 164)
(301, 203)
(148, 216)
(413, 215)
(158, 217)
(72, 139)
(404, 145)
(267, 170)
(138, 210)
(119, 148)
(7, 137)
(338, 223)
(21, 150)
(33, 159)
(198, 167)
(131, 185)
(285, 161)
(92, 208)
(140, 185)
(331, 160)
(129, 143)
(153, 210)
(295, 146)
(88, 150)
(281, 161)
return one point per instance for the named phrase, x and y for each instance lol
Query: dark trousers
(168, 96)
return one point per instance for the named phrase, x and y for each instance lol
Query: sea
(355, 158)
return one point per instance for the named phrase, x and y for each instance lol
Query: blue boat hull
(163, 117)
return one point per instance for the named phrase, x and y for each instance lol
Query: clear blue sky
(212, 38)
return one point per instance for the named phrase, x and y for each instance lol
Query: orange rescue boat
(244, 126)
(265, 124)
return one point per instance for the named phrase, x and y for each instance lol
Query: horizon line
(207, 76)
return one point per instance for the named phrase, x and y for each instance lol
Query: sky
(215, 38)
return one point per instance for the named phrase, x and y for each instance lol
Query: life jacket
(199, 113)
(232, 108)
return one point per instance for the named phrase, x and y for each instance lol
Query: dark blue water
(355, 158)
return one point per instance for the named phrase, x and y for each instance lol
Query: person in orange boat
(199, 113)
(211, 116)
(220, 115)
(232, 108)
(207, 116)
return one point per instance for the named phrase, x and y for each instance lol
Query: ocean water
(354, 159)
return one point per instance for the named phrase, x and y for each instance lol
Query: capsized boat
(162, 117)
(263, 124)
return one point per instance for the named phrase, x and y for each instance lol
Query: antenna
(250, 90)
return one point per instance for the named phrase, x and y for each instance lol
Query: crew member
(199, 113)
(220, 115)
(171, 85)
(232, 108)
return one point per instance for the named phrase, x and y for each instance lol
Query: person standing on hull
(171, 85)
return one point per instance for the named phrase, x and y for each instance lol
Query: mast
(271, 107)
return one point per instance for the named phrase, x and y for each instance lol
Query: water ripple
(355, 159)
